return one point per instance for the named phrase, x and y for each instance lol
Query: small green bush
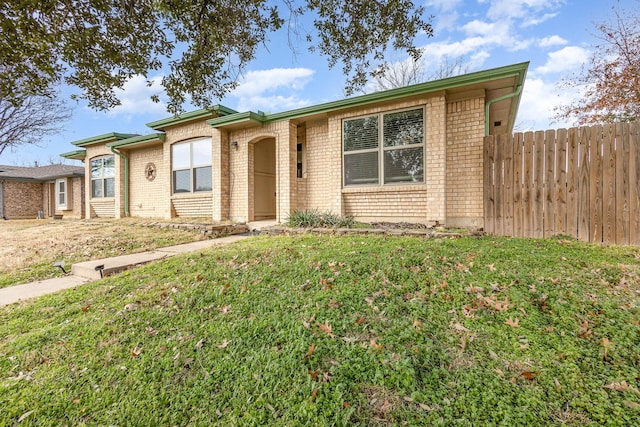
(313, 218)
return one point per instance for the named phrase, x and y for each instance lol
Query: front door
(264, 178)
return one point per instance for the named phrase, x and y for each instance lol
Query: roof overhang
(75, 155)
(205, 113)
(103, 139)
(138, 141)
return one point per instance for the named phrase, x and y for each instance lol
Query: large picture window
(390, 142)
(191, 166)
(103, 173)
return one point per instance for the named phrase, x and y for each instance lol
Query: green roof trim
(137, 140)
(248, 116)
(516, 70)
(107, 137)
(75, 155)
(220, 110)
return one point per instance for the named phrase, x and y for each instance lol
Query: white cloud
(508, 9)
(444, 5)
(564, 60)
(135, 97)
(531, 21)
(552, 41)
(538, 103)
(272, 90)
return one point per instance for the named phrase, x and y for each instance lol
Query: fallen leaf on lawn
(85, 308)
(314, 394)
(458, 327)
(199, 344)
(136, 351)
(529, 375)
(375, 345)
(326, 328)
(151, 331)
(549, 328)
(76, 401)
(491, 267)
(622, 386)
(334, 304)
(25, 415)
(314, 374)
(632, 405)
(557, 383)
(225, 309)
(345, 404)
(417, 324)
(224, 344)
(513, 323)
(426, 407)
(360, 320)
(532, 289)
(312, 348)
(584, 329)
(474, 289)
(499, 372)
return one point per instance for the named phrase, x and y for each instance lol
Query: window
(191, 166)
(391, 142)
(103, 171)
(61, 194)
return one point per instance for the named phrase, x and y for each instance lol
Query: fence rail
(582, 182)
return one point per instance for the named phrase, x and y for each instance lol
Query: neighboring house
(407, 154)
(42, 191)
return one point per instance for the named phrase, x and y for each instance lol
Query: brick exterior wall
(22, 199)
(465, 135)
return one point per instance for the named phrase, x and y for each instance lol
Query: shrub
(313, 218)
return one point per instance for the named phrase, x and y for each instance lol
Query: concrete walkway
(89, 271)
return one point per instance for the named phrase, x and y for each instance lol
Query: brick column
(435, 160)
(220, 175)
(286, 170)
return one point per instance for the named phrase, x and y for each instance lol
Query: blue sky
(556, 36)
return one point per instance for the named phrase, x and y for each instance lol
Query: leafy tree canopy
(611, 78)
(98, 45)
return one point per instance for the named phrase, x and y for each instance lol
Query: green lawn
(313, 331)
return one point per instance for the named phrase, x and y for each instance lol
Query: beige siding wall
(22, 199)
(149, 198)
(465, 133)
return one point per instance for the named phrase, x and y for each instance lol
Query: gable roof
(39, 173)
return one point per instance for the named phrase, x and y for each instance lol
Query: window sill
(389, 188)
(102, 199)
(192, 195)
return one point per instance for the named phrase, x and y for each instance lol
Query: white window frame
(61, 195)
(102, 178)
(380, 149)
(194, 165)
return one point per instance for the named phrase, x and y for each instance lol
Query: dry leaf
(529, 375)
(314, 394)
(224, 344)
(491, 267)
(312, 348)
(136, 351)
(225, 309)
(417, 324)
(151, 331)
(25, 415)
(458, 327)
(326, 328)
(85, 308)
(513, 323)
(345, 404)
(360, 320)
(499, 372)
(199, 344)
(584, 329)
(314, 374)
(375, 345)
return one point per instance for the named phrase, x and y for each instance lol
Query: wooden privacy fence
(582, 182)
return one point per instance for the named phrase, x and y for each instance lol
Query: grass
(366, 330)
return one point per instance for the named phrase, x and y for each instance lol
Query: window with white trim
(191, 166)
(389, 142)
(103, 172)
(61, 194)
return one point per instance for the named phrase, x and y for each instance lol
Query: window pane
(96, 188)
(109, 168)
(180, 156)
(109, 187)
(202, 179)
(96, 168)
(361, 168)
(201, 153)
(403, 128)
(404, 165)
(181, 181)
(360, 134)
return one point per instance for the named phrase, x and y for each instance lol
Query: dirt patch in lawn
(30, 247)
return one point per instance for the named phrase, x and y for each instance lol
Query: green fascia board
(519, 70)
(75, 155)
(107, 137)
(246, 117)
(137, 140)
(221, 110)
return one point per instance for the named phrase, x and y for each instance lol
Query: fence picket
(560, 186)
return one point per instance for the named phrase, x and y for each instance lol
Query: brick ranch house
(26, 192)
(409, 154)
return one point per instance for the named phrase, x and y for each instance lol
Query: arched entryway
(264, 179)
